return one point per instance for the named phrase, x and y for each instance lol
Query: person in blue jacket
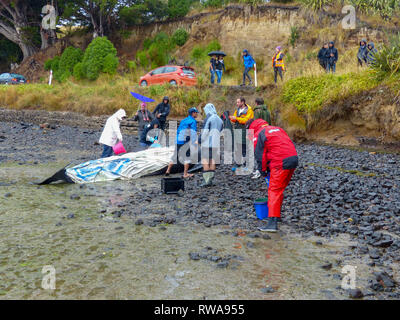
(248, 65)
(185, 137)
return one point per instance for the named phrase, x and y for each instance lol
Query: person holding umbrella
(216, 65)
(220, 65)
(213, 68)
(143, 116)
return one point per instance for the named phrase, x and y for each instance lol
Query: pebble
(267, 289)
(327, 266)
(355, 293)
(223, 264)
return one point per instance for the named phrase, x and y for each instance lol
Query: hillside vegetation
(96, 81)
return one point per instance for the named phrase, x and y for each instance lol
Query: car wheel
(173, 83)
(143, 83)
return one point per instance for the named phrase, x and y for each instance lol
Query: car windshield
(5, 75)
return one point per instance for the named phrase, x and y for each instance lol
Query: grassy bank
(104, 96)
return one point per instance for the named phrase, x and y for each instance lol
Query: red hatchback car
(175, 75)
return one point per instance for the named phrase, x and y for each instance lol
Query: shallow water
(100, 257)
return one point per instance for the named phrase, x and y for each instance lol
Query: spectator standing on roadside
(220, 66)
(249, 63)
(332, 56)
(322, 55)
(278, 64)
(362, 53)
(161, 112)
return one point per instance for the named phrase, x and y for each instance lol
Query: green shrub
(197, 53)
(131, 65)
(79, 72)
(70, 57)
(315, 4)
(385, 8)
(213, 46)
(387, 59)
(47, 64)
(180, 37)
(95, 57)
(156, 52)
(147, 43)
(52, 64)
(142, 57)
(110, 64)
(178, 8)
(294, 35)
(214, 3)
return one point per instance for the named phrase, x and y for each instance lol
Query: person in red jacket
(274, 153)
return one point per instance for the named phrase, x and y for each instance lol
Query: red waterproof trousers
(279, 179)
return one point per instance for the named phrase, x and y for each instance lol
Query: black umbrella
(217, 53)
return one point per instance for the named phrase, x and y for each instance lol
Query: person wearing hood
(249, 63)
(112, 133)
(322, 55)
(146, 138)
(371, 53)
(332, 57)
(274, 153)
(261, 111)
(161, 112)
(143, 116)
(278, 64)
(362, 52)
(210, 143)
(186, 137)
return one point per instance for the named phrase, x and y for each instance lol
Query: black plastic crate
(172, 185)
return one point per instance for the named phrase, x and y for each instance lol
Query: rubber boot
(272, 225)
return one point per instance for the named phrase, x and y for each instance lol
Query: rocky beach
(335, 194)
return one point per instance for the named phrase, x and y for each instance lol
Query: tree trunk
(16, 37)
(48, 37)
(12, 27)
(27, 50)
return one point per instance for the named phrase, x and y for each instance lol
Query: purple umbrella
(141, 98)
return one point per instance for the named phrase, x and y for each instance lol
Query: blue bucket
(261, 207)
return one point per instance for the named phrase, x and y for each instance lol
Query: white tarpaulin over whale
(128, 166)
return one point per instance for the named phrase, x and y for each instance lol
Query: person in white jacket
(112, 133)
